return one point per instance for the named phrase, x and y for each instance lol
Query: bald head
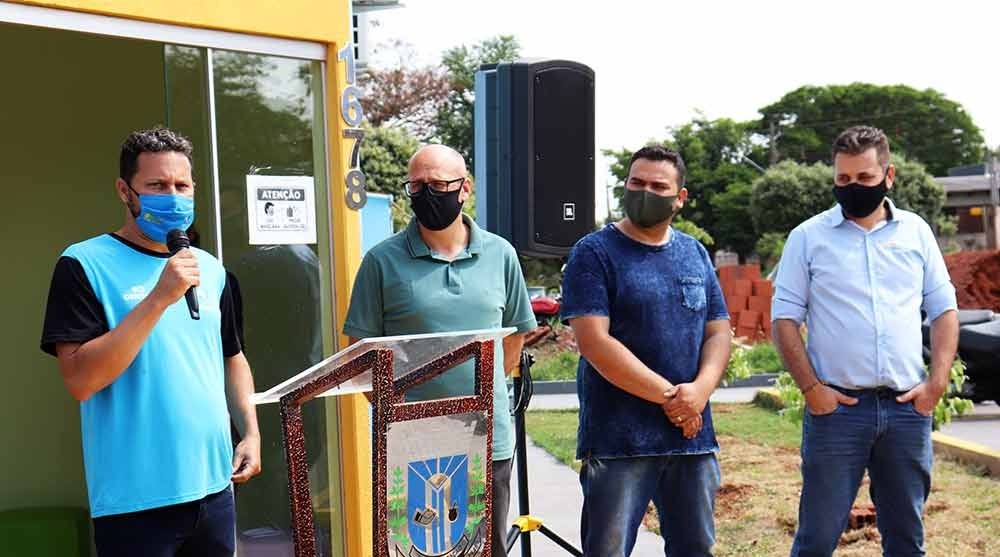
(436, 162)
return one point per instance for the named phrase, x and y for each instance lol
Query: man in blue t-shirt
(157, 386)
(652, 327)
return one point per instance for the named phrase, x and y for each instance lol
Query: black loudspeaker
(544, 189)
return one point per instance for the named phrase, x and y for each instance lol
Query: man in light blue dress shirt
(860, 275)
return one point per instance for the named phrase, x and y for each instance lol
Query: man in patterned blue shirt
(652, 326)
(859, 275)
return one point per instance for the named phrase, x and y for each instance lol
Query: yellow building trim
(355, 436)
(326, 21)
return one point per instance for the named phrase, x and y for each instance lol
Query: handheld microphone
(176, 241)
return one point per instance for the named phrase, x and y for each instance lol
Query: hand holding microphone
(181, 275)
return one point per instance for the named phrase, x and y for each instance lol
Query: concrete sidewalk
(555, 497)
(981, 426)
(554, 488)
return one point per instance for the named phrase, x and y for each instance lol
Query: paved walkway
(554, 488)
(555, 497)
(981, 426)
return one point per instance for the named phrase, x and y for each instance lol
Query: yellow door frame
(321, 21)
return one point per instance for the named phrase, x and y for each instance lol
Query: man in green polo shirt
(444, 274)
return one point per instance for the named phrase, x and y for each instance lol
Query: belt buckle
(884, 392)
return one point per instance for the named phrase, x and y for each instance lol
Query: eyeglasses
(436, 187)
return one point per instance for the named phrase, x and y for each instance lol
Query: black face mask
(858, 200)
(647, 209)
(436, 211)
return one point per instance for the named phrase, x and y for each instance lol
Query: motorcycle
(979, 348)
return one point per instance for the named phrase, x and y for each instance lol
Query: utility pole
(992, 218)
(772, 139)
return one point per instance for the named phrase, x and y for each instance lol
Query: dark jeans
(203, 528)
(891, 440)
(617, 491)
(501, 506)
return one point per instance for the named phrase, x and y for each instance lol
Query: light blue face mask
(161, 213)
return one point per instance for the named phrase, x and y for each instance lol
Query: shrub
(764, 358)
(739, 363)
(950, 405)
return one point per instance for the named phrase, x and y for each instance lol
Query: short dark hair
(858, 139)
(654, 152)
(156, 140)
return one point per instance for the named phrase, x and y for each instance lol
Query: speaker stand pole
(525, 523)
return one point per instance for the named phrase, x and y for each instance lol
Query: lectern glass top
(410, 353)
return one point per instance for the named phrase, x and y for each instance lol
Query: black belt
(877, 392)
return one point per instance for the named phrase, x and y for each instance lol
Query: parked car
(543, 305)
(536, 292)
(979, 348)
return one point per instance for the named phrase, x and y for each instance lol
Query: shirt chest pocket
(900, 267)
(692, 292)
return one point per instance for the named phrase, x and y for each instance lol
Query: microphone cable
(522, 396)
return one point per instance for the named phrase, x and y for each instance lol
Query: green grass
(559, 367)
(756, 508)
(760, 425)
(555, 431)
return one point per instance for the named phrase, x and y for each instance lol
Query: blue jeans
(891, 440)
(203, 528)
(617, 491)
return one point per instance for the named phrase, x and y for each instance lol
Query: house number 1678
(351, 112)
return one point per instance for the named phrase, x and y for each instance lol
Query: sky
(660, 63)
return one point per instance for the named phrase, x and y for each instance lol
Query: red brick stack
(748, 298)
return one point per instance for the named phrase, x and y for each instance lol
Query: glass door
(270, 227)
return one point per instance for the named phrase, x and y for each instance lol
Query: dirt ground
(757, 504)
(545, 342)
(976, 276)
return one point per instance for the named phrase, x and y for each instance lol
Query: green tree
(695, 231)
(715, 153)
(923, 125)
(789, 193)
(733, 227)
(915, 190)
(454, 119)
(541, 271)
(769, 248)
(385, 153)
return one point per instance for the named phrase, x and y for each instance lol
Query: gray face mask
(647, 209)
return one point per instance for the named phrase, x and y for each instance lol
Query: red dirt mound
(976, 276)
